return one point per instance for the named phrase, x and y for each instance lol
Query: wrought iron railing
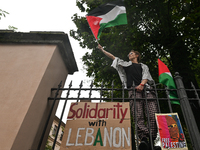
(182, 97)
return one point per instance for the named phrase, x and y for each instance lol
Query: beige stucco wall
(27, 74)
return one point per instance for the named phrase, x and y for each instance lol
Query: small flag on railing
(106, 15)
(165, 77)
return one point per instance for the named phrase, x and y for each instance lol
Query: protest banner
(171, 132)
(98, 126)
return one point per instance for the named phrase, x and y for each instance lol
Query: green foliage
(164, 29)
(3, 13)
(12, 28)
(48, 146)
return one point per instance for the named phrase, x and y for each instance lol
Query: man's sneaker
(144, 144)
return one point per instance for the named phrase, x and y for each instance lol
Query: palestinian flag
(106, 15)
(166, 78)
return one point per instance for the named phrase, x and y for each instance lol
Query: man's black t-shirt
(133, 73)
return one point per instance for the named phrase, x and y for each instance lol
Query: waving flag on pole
(106, 15)
(166, 78)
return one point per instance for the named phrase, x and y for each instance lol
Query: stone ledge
(47, 37)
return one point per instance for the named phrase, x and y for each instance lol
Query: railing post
(79, 92)
(187, 113)
(123, 85)
(112, 91)
(90, 93)
(101, 92)
(61, 117)
(197, 96)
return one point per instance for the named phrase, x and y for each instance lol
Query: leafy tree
(159, 28)
(12, 28)
(3, 14)
(163, 29)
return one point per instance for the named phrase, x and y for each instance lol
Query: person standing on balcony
(138, 73)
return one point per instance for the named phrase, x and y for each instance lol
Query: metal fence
(184, 106)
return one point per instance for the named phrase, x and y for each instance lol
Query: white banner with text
(97, 126)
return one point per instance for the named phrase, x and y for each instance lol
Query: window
(61, 136)
(54, 130)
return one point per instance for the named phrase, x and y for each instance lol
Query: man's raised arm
(105, 52)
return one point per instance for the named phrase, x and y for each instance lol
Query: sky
(48, 15)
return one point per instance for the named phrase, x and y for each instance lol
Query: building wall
(31, 64)
(52, 133)
(27, 73)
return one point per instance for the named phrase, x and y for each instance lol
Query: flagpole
(97, 41)
(168, 99)
(94, 36)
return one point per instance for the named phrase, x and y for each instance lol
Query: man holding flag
(109, 15)
(138, 73)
